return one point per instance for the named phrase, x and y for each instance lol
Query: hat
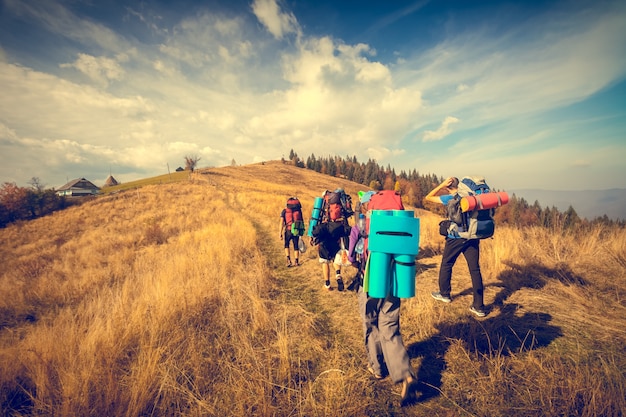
(365, 196)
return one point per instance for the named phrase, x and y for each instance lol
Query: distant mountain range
(589, 203)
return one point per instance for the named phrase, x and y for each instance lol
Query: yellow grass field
(174, 300)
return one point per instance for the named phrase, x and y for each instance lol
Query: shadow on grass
(504, 334)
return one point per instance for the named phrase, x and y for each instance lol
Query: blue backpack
(475, 224)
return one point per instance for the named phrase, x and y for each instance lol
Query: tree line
(26, 203)
(414, 186)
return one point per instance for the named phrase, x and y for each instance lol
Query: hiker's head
(364, 199)
(452, 183)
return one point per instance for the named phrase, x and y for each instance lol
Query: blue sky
(528, 94)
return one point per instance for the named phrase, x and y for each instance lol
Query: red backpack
(337, 205)
(386, 200)
(293, 216)
(383, 200)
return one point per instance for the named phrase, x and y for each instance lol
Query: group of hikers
(340, 244)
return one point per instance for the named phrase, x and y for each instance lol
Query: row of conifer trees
(414, 186)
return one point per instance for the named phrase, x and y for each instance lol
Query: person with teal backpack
(328, 230)
(380, 314)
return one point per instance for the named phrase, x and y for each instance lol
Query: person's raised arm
(433, 195)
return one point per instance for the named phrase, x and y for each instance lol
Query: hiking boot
(437, 296)
(340, 286)
(374, 374)
(327, 285)
(478, 311)
(408, 388)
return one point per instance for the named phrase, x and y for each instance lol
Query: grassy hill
(172, 299)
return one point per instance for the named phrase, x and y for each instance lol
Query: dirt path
(338, 314)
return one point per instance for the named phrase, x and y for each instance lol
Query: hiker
(454, 246)
(385, 350)
(291, 227)
(330, 235)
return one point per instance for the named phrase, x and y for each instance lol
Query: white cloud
(277, 23)
(166, 69)
(63, 109)
(580, 163)
(192, 57)
(338, 97)
(443, 131)
(59, 20)
(381, 153)
(7, 134)
(99, 69)
(151, 21)
(528, 70)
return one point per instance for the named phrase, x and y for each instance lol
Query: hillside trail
(336, 311)
(342, 331)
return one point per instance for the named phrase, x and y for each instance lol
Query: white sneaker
(374, 374)
(437, 296)
(408, 387)
(479, 313)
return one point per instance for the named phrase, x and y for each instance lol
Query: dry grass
(173, 299)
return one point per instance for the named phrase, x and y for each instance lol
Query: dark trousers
(471, 251)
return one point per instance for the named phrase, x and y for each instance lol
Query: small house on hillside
(77, 188)
(111, 181)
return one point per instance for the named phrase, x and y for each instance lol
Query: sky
(527, 94)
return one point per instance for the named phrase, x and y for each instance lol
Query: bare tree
(191, 162)
(37, 185)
